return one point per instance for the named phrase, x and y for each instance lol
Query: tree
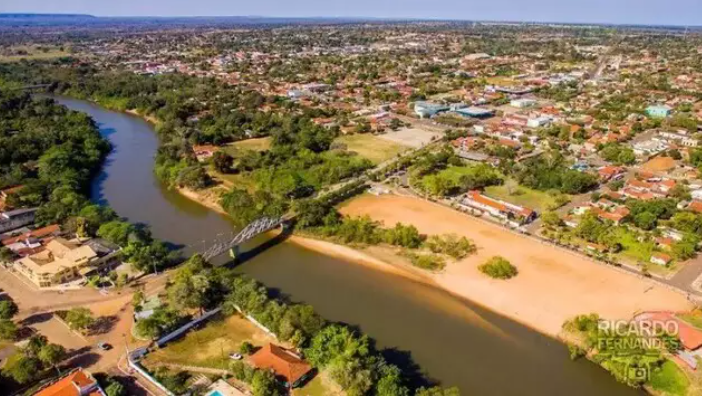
(23, 369)
(115, 389)
(437, 391)
(264, 383)
(246, 348)
(34, 345)
(51, 355)
(336, 341)
(80, 318)
(138, 299)
(8, 309)
(7, 255)
(499, 268)
(350, 374)
(551, 219)
(222, 162)
(148, 328)
(8, 330)
(390, 382)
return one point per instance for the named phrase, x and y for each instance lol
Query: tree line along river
(422, 329)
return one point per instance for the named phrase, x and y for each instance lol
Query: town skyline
(623, 12)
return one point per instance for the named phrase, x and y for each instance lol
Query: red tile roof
(283, 362)
(71, 385)
(690, 337)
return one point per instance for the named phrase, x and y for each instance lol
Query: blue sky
(669, 12)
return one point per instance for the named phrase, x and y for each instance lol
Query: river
(455, 342)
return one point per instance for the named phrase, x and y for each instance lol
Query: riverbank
(552, 286)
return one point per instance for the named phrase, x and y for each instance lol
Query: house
(17, 218)
(31, 242)
(658, 111)
(690, 337)
(283, 362)
(661, 258)
(75, 383)
(204, 152)
(514, 214)
(608, 173)
(474, 112)
(429, 109)
(523, 103)
(63, 261)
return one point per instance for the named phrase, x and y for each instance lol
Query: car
(235, 356)
(103, 346)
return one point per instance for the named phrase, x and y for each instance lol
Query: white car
(235, 356)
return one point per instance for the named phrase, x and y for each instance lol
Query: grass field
(257, 144)
(234, 180)
(522, 196)
(372, 147)
(670, 379)
(32, 53)
(211, 346)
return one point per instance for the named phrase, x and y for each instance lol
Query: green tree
(222, 162)
(21, 368)
(115, 389)
(8, 330)
(499, 268)
(51, 355)
(8, 309)
(264, 383)
(80, 318)
(437, 391)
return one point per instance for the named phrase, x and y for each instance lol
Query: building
(63, 261)
(76, 383)
(284, 363)
(658, 111)
(30, 242)
(513, 214)
(661, 259)
(429, 109)
(474, 112)
(523, 103)
(17, 218)
(204, 152)
(680, 138)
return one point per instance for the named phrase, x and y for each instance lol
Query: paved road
(114, 310)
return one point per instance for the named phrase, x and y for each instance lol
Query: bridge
(256, 227)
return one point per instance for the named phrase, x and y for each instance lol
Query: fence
(137, 367)
(256, 322)
(183, 329)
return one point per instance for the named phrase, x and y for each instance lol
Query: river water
(449, 340)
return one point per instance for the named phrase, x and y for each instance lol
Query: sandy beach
(552, 286)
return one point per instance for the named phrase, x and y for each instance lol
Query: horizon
(618, 12)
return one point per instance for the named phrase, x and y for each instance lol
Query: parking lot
(413, 137)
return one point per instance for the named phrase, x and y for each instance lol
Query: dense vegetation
(347, 355)
(549, 171)
(620, 354)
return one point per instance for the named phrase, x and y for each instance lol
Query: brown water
(454, 341)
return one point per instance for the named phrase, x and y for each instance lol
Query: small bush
(498, 268)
